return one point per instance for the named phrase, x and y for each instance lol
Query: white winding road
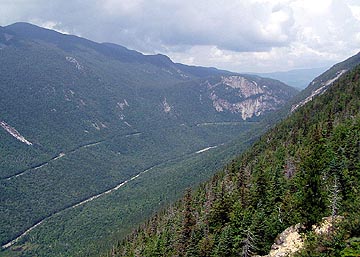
(117, 187)
(14, 241)
(59, 156)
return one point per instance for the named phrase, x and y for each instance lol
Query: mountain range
(298, 78)
(295, 192)
(95, 137)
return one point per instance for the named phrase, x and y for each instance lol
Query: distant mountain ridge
(71, 42)
(322, 82)
(99, 129)
(181, 72)
(303, 172)
(298, 78)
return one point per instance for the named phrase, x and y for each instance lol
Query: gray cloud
(223, 33)
(233, 25)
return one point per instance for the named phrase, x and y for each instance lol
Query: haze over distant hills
(299, 78)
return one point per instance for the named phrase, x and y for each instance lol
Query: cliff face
(303, 169)
(88, 117)
(323, 82)
(244, 95)
(318, 91)
(290, 241)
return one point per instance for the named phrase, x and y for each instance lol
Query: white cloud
(355, 11)
(124, 7)
(240, 35)
(57, 26)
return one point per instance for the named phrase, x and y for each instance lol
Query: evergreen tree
(311, 200)
(187, 223)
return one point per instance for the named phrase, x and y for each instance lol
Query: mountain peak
(109, 116)
(31, 30)
(159, 59)
(63, 41)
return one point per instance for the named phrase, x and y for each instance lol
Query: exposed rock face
(75, 62)
(287, 243)
(166, 106)
(237, 94)
(247, 88)
(326, 226)
(123, 104)
(290, 241)
(12, 131)
(323, 87)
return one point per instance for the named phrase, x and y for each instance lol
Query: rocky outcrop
(240, 95)
(290, 241)
(75, 62)
(166, 106)
(323, 87)
(12, 131)
(287, 243)
(247, 88)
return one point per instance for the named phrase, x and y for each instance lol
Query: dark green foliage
(287, 177)
(310, 191)
(352, 248)
(96, 116)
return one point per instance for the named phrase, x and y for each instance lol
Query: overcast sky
(238, 35)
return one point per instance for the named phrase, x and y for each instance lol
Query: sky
(236, 35)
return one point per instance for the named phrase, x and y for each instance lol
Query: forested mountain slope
(322, 82)
(95, 137)
(306, 168)
(318, 86)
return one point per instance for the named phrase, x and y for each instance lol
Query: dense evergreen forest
(96, 138)
(306, 168)
(112, 135)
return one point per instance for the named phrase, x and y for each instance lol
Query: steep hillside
(321, 83)
(305, 168)
(87, 128)
(317, 86)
